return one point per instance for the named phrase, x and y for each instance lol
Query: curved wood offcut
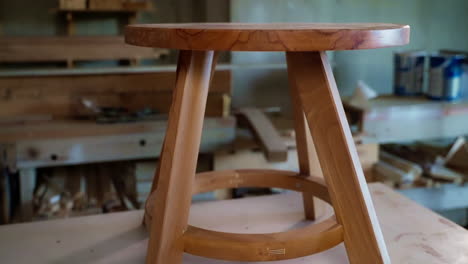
(268, 37)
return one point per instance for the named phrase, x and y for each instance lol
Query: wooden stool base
(291, 244)
(324, 141)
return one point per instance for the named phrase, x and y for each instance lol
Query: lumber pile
(423, 164)
(62, 192)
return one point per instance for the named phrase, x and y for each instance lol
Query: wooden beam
(116, 142)
(62, 95)
(272, 142)
(62, 49)
(27, 180)
(163, 81)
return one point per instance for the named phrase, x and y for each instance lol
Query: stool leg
(307, 157)
(313, 78)
(178, 161)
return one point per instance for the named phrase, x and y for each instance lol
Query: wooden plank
(61, 129)
(70, 106)
(386, 172)
(37, 72)
(457, 157)
(313, 78)
(62, 49)
(91, 185)
(271, 141)
(124, 181)
(104, 183)
(73, 180)
(413, 233)
(140, 144)
(162, 81)
(62, 95)
(27, 182)
(4, 189)
(442, 173)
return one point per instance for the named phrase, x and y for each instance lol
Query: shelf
(391, 119)
(84, 11)
(131, 13)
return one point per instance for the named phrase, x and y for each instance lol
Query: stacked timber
(423, 164)
(66, 93)
(84, 189)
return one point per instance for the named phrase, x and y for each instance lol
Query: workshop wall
(31, 18)
(435, 24)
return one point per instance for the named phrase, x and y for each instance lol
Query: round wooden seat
(268, 37)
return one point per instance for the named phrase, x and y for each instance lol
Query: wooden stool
(314, 93)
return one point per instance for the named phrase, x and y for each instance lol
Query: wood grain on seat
(268, 37)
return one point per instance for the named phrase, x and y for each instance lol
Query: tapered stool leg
(177, 166)
(312, 76)
(307, 156)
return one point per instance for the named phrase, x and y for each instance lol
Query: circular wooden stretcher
(291, 244)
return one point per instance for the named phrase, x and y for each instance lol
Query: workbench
(413, 234)
(48, 85)
(389, 119)
(392, 119)
(30, 146)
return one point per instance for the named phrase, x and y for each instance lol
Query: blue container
(409, 73)
(445, 79)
